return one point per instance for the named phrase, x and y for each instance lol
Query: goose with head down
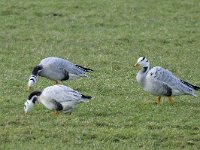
(161, 82)
(57, 97)
(57, 69)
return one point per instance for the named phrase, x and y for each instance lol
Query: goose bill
(29, 88)
(136, 65)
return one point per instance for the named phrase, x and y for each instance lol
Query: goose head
(30, 102)
(31, 82)
(34, 77)
(142, 62)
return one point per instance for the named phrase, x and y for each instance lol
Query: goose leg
(170, 99)
(56, 113)
(56, 82)
(158, 100)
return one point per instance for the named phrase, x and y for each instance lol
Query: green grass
(107, 36)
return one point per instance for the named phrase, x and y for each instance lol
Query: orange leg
(56, 113)
(56, 82)
(170, 99)
(158, 100)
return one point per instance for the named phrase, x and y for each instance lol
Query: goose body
(57, 97)
(161, 82)
(57, 69)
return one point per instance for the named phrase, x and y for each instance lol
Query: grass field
(107, 36)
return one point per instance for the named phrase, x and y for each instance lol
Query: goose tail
(191, 85)
(84, 69)
(86, 98)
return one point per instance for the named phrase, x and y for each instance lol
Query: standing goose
(161, 82)
(56, 69)
(57, 97)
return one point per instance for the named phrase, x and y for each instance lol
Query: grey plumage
(161, 82)
(57, 97)
(57, 69)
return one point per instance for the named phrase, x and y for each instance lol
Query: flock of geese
(157, 81)
(57, 97)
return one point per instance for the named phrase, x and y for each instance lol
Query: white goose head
(32, 81)
(30, 102)
(142, 62)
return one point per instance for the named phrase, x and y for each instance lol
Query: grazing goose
(57, 97)
(56, 69)
(161, 82)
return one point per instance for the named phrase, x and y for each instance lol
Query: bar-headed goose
(57, 97)
(161, 82)
(56, 69)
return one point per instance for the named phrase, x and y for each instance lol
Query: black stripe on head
(143, 58)
(34, 93)
(33, 78)
(36, 70)
(34, 99)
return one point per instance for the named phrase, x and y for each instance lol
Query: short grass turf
(107, 36)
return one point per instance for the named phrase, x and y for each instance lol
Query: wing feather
(162, 78)
(161, 75)
(160, 81)
(62, 93)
